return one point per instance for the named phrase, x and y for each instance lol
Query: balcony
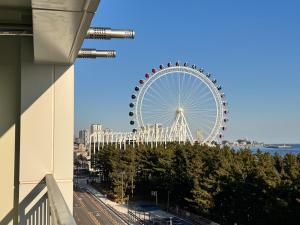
(49, 208)
(39, 41)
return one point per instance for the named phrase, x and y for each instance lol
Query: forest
(218, 183)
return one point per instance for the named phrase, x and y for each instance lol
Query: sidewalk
(122, 208)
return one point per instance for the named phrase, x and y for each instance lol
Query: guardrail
(197, 220)
(58, 209)
(135, 218)
(44, 205)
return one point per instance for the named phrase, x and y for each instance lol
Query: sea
(294, 149)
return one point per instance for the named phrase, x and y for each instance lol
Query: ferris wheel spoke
(201, 100)
(205, 115)
(207, 106)
(195, 86)
(151, 111)
(156, 119)
(159, 95)
(159, 116)
(156, 113)
(194, 96)
(172, 85)
(202, 117)
(200, 110)
(204, 96)
(155, 96)
(161, 84)
(151, 108)
(151, 102)
(205, 103)
(186, 86)
(195, 111)
(179, 89)
(198, 91)
(191, 88)
(204, 120)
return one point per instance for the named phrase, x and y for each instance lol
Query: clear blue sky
(251, 47)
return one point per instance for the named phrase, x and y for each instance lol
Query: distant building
(97, 135)
(80, 149)
(83, 137)
(95, 128)
(76, 140)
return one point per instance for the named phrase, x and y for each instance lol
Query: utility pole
(132, 185)
(171, 222)
(168, 204)
(122, 184)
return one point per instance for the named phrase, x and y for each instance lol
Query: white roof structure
(58, 26)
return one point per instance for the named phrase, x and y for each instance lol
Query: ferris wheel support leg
(94, 147)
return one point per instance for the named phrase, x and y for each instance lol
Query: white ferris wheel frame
(190, 71)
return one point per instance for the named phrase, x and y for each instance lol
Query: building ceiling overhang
(58, 26)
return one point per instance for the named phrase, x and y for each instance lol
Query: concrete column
(47, 119)
(9, 128)
(36, 130)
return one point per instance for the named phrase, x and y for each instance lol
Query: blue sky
(251, 47)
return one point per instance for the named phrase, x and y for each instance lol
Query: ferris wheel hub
(180, 110)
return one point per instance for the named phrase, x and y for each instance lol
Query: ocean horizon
(294, 149)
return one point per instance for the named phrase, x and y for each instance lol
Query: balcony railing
(45, 205)
(59, 212)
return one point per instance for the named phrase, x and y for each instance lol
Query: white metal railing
(59, 212)
(45, 205)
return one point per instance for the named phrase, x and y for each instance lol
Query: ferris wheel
(184, 100)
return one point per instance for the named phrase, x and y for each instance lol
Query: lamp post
(171, 222)
(168, 204)
(122, 184)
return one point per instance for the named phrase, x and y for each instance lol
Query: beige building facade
(39, 41)
(36, 117)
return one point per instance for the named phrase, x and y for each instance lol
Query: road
(89, 211)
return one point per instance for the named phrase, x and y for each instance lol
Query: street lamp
(171, 222)
(168, 204)
(122, 182)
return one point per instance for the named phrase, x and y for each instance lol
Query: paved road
(89, 211)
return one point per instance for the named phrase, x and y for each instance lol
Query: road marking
(108, 215)
(90, 217)
(93, 218)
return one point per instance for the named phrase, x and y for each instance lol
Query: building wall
(44, 105)
(46, 124)
(9, 116)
